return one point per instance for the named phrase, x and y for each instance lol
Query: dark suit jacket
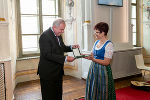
(51, 56)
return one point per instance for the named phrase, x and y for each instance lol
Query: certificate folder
(77, 54)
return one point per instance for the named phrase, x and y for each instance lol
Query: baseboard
(127, 77)
(25, 72)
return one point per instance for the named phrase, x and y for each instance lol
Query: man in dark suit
(52, 60)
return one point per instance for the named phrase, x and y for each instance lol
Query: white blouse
(108, 49)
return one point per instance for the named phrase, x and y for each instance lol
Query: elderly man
(52, 60)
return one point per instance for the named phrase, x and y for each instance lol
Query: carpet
(81, 98)
(129, 93)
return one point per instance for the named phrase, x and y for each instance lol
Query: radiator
(2, 83)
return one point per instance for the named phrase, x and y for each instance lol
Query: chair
(140, 64)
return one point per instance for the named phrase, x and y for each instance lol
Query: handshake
(77, 54)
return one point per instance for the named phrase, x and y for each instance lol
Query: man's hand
(70, 59)
(75, 46)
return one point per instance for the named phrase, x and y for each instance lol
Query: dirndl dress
(100, 83)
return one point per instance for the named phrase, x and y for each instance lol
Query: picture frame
(77, 54)
(117, 3)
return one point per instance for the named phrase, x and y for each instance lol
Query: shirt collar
(53, 31)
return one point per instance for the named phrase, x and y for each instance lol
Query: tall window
(134, 21)
(35, 17)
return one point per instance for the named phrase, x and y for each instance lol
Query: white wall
(73, 35)
(4, 33)
(145, 32)
(118, 20)
(4, 41)
(5, 46)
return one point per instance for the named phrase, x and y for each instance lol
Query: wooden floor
(72, 88)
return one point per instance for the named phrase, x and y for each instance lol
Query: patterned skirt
(100, 83)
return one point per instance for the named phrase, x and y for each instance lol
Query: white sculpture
(70, 3)
(70, 18)
(148, 10)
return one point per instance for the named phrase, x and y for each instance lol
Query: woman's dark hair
(102, 27)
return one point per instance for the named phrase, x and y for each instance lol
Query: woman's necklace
(100, 43)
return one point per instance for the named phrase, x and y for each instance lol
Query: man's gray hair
(57, 22)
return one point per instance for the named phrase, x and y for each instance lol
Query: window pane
(31, 12)
(29, 25)
(133, 15)
(28, 6)
(134, 38)
(30, 43)
(133, 22)
(133, 1)
(48, 21)
(49, 7)
(56, 7)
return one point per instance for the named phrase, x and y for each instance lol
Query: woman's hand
(90, 57)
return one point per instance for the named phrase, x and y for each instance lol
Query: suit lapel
(55, 38)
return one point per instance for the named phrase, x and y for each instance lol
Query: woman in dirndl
(100, 83)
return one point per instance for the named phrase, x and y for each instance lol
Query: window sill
(27, 58)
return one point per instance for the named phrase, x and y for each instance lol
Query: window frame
(137, 23)
(40, 26)
(133, 4)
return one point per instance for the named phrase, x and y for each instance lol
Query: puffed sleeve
(109, 50)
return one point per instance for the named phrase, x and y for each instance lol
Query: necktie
(58, 40)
